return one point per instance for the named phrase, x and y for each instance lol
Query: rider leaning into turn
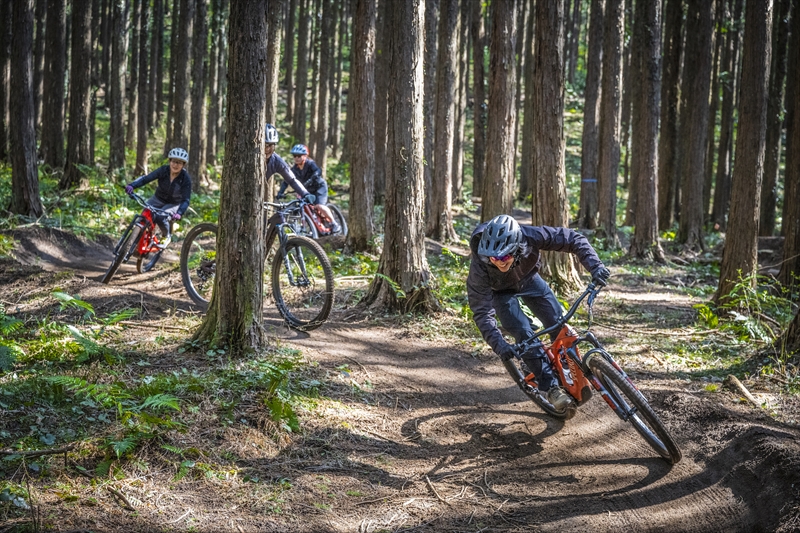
(276, 164)
(310, 176)
(172, 194)
(505, 268)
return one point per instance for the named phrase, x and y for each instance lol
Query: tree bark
(5, 75)
(119, 51)
(550, 204)
(440, 226)
(80, 94)
(275, 11)
(133, 88)
(610, 108)
(301, 81)
(478, 99)
(173, 66)
(288, 58)
(777, 75)
(197, 140)
(730, 62)
(668, 144)
(24, 178)
(234, 313)
(644, 160)
(335, 133)
(40, 17)
(526, 153)
(590, 140)
(320, 133)
(694, 126)
(431, 52)
(575, 37)
(361, 127)
(214, 82)
(625, 116)
(143, 113)
(183, 75)
(403, 260)
(708, 171)
(739, 258)
(382, 82)
(498, 187)
(52, 144)
(462, 75)
(156, 65)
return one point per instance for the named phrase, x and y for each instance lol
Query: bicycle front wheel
(199, 262)
(632, 407)
(130, 240)
(302, 283)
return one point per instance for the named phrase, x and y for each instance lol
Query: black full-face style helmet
(501, 237)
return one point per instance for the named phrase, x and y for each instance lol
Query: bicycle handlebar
(591, 291)
(141, 201)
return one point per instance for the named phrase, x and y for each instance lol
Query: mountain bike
(596, 370)
(140, 239)
(301, 275)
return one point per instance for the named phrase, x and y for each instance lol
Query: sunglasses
(502, 259)
(297, 155)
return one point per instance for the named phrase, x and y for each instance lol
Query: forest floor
(416, 426)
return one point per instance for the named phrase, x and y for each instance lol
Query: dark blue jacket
(485, 279)
(178, 191)
(276, 165)
(311, 178)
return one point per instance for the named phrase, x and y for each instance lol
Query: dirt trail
(434, 436)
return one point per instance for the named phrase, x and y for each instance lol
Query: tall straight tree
(526, 156)
(610, 109)
(274, 22)
(574, 40)
(440, 225)
(288, 57)
(462, 82)
(301, 81)
(52, 144)
(116, 96)
(179, 136)
(156, 64)
(590, 140)
(644, 155)
(214, 82)
(498, 186)
(777, 76)
(361, 126)
(382, 81)
(711, 146)
(431, 27)
(335, 134)
(550, 205)
(670, 105)
(143, 114)
(403, 263)
(80, 94)
(24, 178)
(694, 121)
(739, 258)
(478, 97)
(197, 139)
(5, 74)
(730, 62)
(234, 312)
(173, 73)
(320, 133)
(133, 88)
(40, 17)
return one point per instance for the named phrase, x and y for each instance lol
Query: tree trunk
(133, 88)
(644, 160)
(143, 113)
(197, 142)
(625, 117)
(790, 268)
(608, 160)
(498, 187)
(156, 65)
(777, 75)
(361, 127)
(575, 37)
(730, 62)
(214, 82)
(670, 92)
(550, 204)
(24, 178)
(519, 65)
(40, 17)
(383, 78)
(708, 171)
(790, 343)
(694, 127)
(275, 23)
(105, 43)
(173, 67)
(320, 133)
(739, 258)
(526, 156)
(5, 75)
(314, 64)
(335, 134)
(478, 98)
(590, 140)
(462, 75)
(403, 263)
(431, 51)
(80, 95)
(116, 126)
(234, 313)
(52, 144)
(288, 58)
(301, 81)
(183, 75)
(223, 72)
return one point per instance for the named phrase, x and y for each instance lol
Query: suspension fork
(136, 220)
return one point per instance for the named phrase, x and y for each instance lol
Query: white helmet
(179, 153)
(270, 134)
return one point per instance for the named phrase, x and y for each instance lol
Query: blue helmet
(299, 149)
(502, 236)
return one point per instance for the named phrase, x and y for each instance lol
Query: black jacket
(179, 191)
(485, 279)
(311, 178)
(276, 165)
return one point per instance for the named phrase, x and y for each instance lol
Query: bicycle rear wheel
(538, 397)
(302, 283)
(634, 408)
(339, 217)
(199, 262)
(131, 240)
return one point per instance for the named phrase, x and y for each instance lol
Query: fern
(105, 395)
(9, 325)
(7, 358)
(161, 401)
(119, 316)
(101, 470)
(126, 445)
(66, 300)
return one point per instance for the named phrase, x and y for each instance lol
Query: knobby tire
(304, 300)
(644, 420)
(538, 397)
(122, 252)
(198, 262)
(337, 214)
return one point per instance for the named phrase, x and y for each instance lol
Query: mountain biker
(505, 268)
(310, 176)
(276, 164)
(172, 194)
